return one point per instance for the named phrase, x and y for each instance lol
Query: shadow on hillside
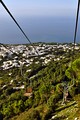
(65, 106)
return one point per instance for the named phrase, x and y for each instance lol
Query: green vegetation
(47, 90)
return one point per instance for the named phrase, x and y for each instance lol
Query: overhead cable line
(66, 86)
(77, 17)
(75, 35)
(17, 24)
(76, 27)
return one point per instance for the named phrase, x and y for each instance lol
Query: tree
(73, 73)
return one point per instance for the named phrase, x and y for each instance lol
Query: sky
(40, 7)
(39, 19)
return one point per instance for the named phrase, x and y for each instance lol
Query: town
(19, 55)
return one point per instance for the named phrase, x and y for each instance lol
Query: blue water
(38, 29)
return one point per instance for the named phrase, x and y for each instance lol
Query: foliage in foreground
(47, 90)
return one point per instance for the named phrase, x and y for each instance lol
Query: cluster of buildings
(19, 55)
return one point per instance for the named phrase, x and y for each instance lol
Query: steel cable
(18, 25)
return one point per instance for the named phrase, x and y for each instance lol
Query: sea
(58, 29)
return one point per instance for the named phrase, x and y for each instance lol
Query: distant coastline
(46, 43)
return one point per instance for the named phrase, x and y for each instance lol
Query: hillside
(56, 110)
(34, 90)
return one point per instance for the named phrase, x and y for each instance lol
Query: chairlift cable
(66, 87)
(17, 24)
(75, 34)
(76, 27)
(77, 17)
(20, 30)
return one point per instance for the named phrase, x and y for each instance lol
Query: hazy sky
(40, 7)
(33, 13)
